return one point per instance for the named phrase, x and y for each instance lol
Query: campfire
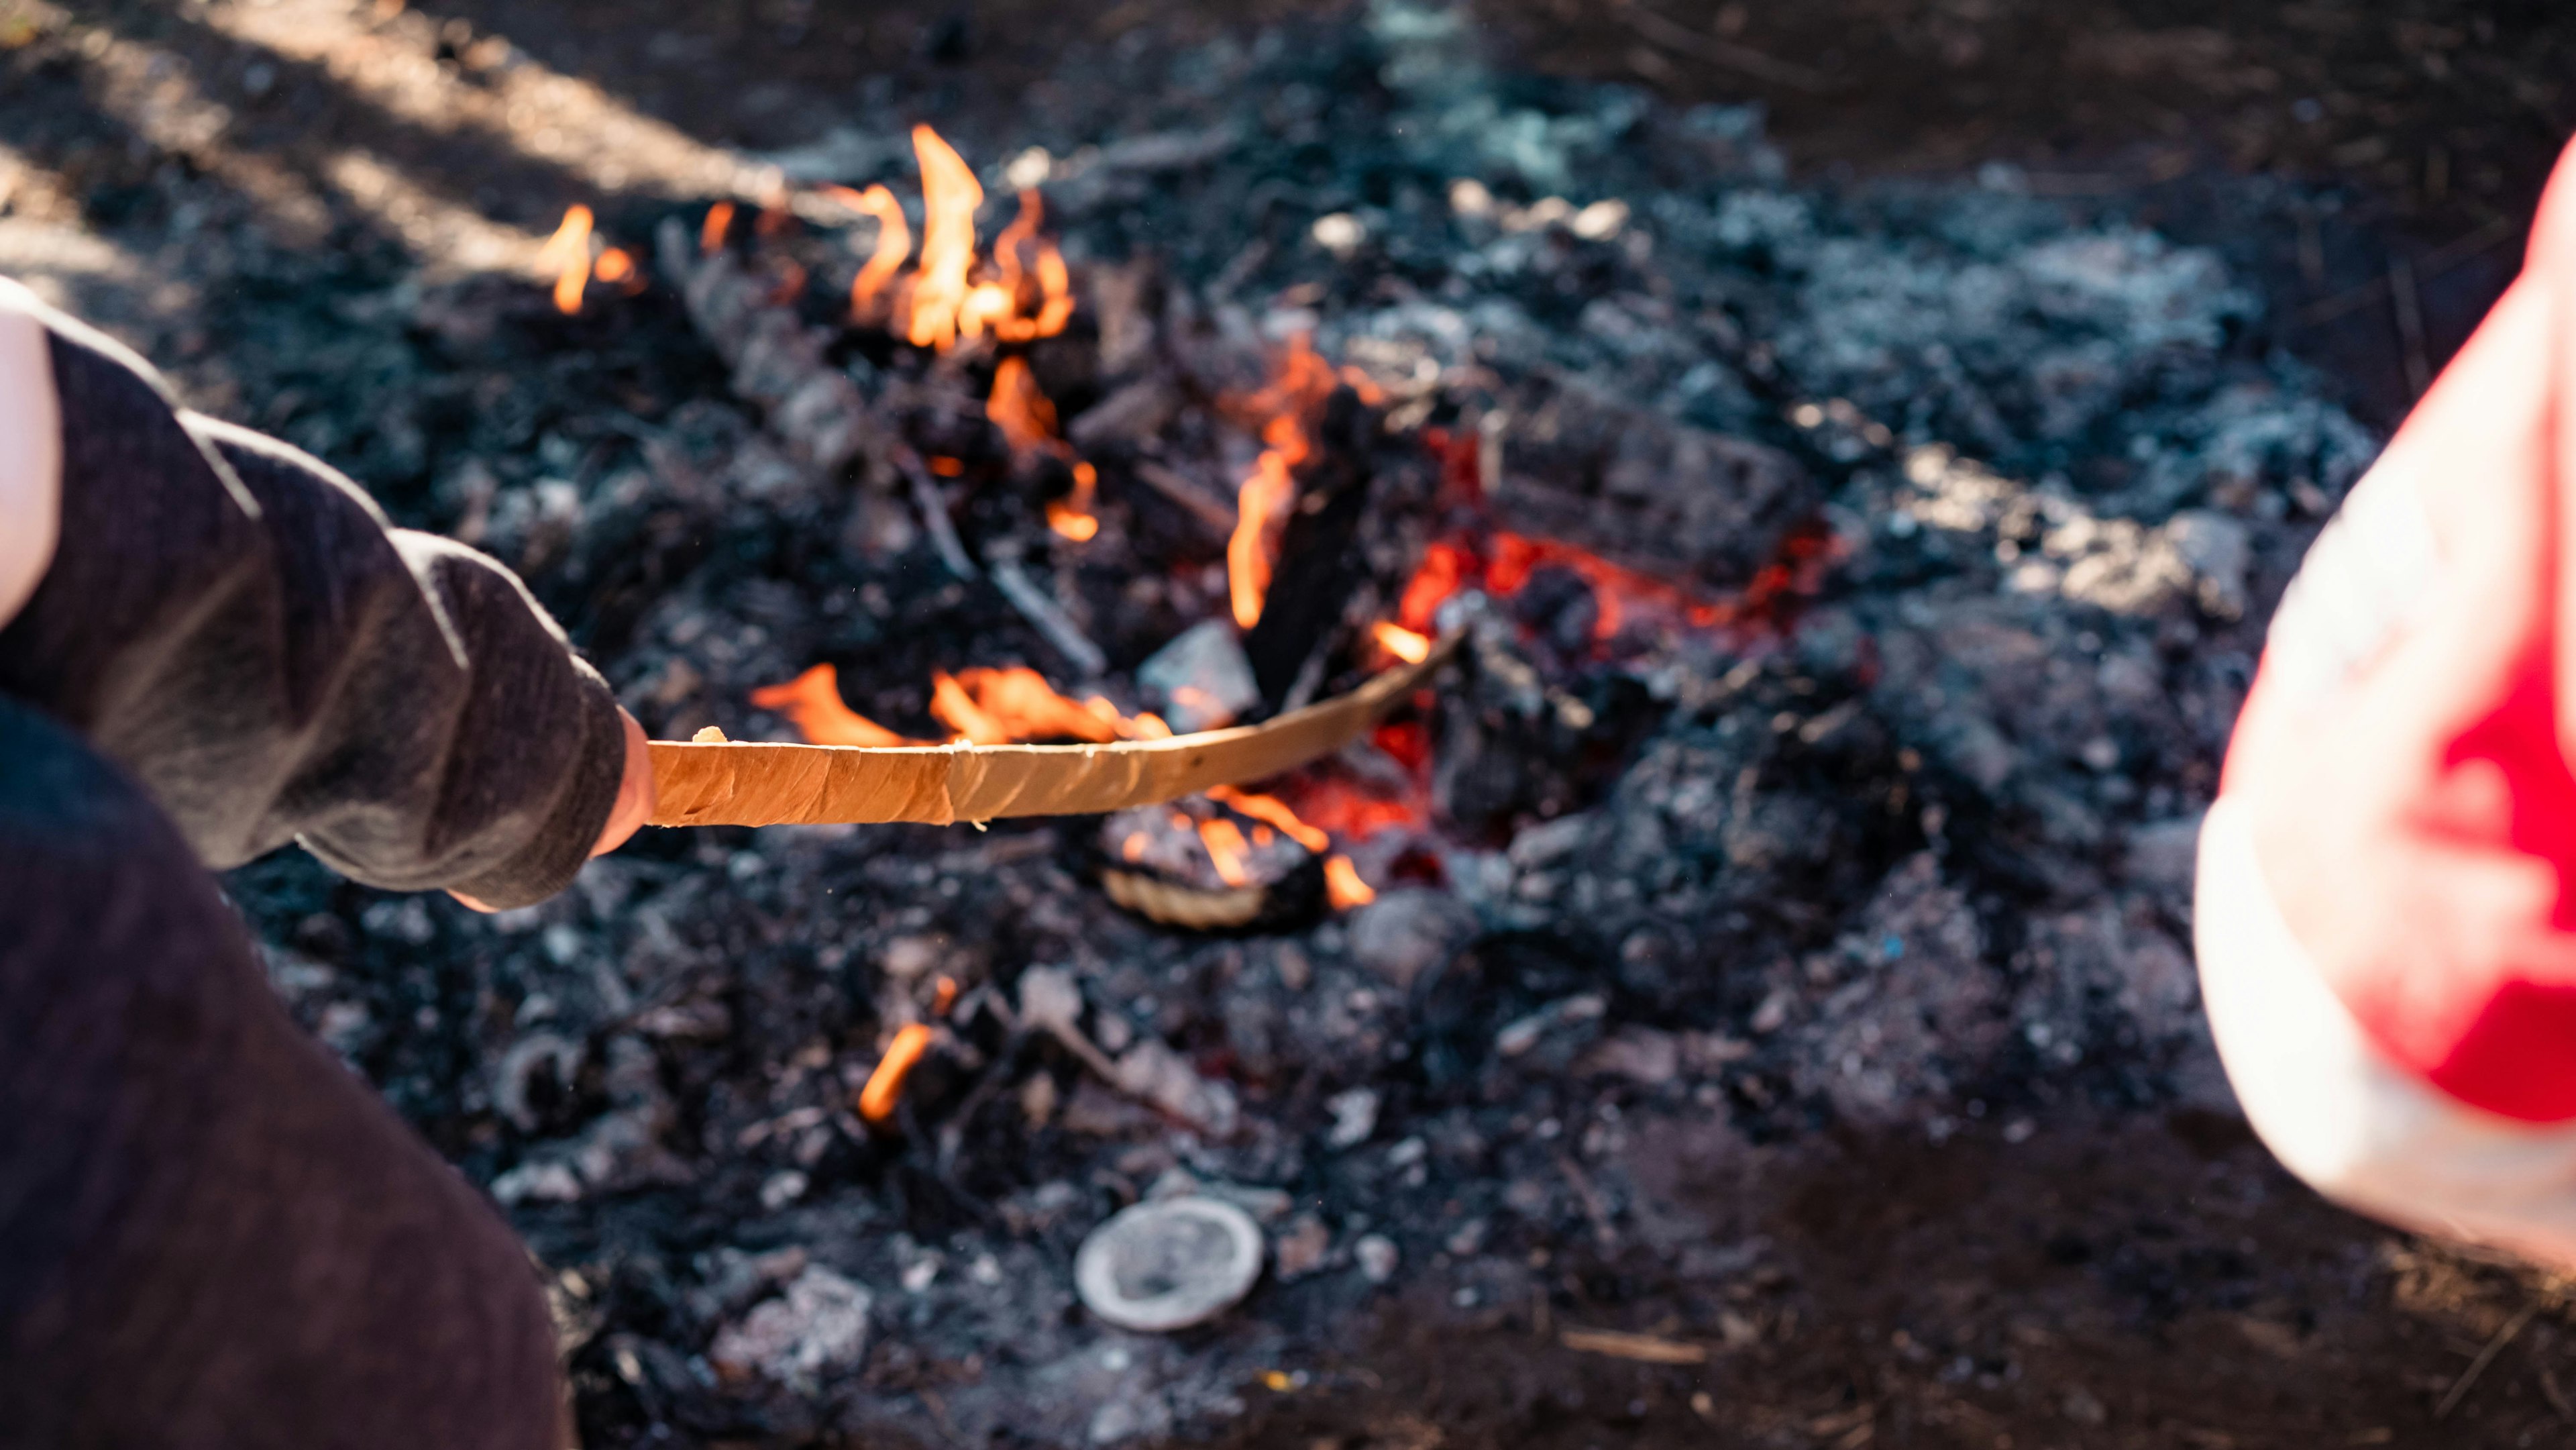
(948, 313)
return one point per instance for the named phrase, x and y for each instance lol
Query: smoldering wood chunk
(1318, 567)
(1511, 746)
(777, 361)
(1200, 866)
(1646, 492)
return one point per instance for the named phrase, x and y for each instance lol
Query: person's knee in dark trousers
(211, 1232)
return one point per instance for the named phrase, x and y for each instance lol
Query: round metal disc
(1163, 1266)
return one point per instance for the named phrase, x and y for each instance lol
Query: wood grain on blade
(740, 783)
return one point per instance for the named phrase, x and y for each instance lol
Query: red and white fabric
(2386, 912)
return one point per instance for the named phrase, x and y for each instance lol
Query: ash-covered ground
(1775, 1028)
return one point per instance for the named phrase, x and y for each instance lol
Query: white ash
(819, 1325)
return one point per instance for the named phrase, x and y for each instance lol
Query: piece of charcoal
(1317, 566)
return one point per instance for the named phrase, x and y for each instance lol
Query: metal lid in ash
(1162, 1266)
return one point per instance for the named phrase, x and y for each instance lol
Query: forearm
(237, 626)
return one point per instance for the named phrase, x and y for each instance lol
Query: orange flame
(1343, 888)
(950, 194)
(1071, 516)
(1022, 411)
(1000, 707)
(812, 701)
(1055, 285)
(1271, 810)
(567, 255)
(894, 243)
(1226, 847)
(1022, 231)
(948, 297)
(885, 1085)
(1402, 643)
(1445, 569)
(1262, 501)
(617, 268)
(1055, 298)
(711, 232)
(1019, 408)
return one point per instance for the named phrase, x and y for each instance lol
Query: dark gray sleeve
(236, 625)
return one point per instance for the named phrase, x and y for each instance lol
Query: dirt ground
(2107, 1278)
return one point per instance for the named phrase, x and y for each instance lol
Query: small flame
(1226, 847)
(812, 701)
(1020, 408)
(1022, 231)
(617, 268)
(950, 194)
(1055, 296)
(1270, 810)
(567, 255)
(894, 243)
(885, 1085)
(1263, 499)
(1001, 707)
(1402, 643)
(711, 232)
(1343, 888)
(1071, 516)
(1133, 848)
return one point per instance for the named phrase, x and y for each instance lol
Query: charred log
(1318, 567)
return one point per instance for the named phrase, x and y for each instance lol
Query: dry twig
(1673, 35)
(1043, 610)
(2460, 1387)
(1643, 1348)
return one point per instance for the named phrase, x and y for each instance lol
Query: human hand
(634, 804)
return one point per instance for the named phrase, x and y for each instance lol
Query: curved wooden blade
(741, 783)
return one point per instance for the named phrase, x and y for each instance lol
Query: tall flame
(1263, 499)
(950, 297)
(567, 255)
(950, 195)
(711, 232)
